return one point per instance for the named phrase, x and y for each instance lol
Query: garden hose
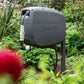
(68, 56)
(22, 35)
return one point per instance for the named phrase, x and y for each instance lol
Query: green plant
(57, 4)
(73, 41)
(76, 78)
(32, 57)
(9, 42)
(74, 12)
(14, 27)
(73, 60)
(34, 2)
(5, 17)
(30, 77)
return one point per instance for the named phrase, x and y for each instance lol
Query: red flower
(10, 63)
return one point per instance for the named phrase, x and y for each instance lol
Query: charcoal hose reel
(43, 28)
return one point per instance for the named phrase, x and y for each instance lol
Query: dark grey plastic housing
(43, 27)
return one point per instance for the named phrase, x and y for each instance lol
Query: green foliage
(74, 32)
(35, 2)
(57, 4)
(9, 42)
(74, 12)
(32, 57)
(73, 43)
(6, 79)
(14, 26)
(73, 40)
(73, 60)
(76, 78)
(5, 17)
(68, 14)
(30, 76)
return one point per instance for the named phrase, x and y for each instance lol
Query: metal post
(56, 57)
(63, 56)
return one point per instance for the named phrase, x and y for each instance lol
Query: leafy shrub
(30, 76)
(32, 57)
(74, 12)
(73, 40)
(9, 42)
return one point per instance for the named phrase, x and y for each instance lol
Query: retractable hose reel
(44, 28)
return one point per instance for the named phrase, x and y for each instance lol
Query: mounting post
(63, 56)
(56, 57)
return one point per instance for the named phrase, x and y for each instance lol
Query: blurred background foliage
(44, 59)
(10, 27)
